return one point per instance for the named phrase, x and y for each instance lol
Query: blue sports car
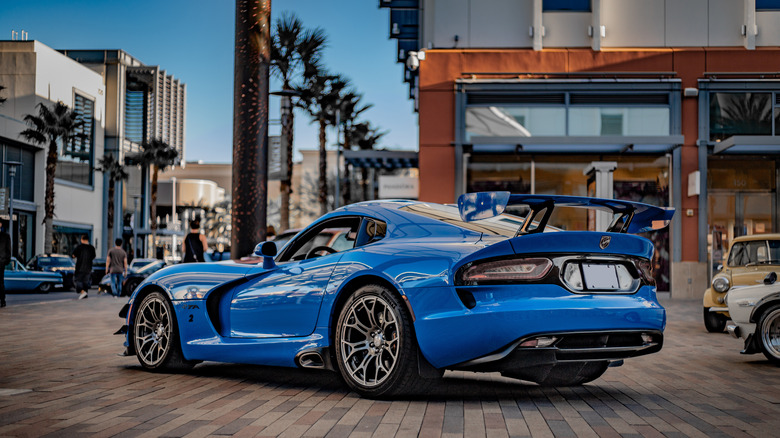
(488, 285)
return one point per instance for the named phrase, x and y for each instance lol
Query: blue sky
(193, 41)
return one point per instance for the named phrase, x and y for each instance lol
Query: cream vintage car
(755, 315)
(749, 260)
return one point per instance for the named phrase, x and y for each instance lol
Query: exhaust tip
(311, 359)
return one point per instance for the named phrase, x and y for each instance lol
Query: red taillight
(646, 269)
(508, 270)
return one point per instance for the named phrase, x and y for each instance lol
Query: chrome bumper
(719, 309)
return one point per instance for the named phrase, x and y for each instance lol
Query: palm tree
(53, 126)
(349, 108)
(159, 155)
(295, 52)
(320, 97)
(115, 171)
(364, 137)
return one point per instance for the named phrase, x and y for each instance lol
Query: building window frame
(88, 132)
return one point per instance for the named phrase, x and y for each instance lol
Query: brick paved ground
(60, 376)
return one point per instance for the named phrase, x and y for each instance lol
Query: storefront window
(66, 239)
(608, 120)
(24, 181)
(515, 121)
(740, 114)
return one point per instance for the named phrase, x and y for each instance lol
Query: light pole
(12, 165)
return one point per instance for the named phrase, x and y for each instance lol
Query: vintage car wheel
(768, 334)
(375, 347)
(714, 322)
(156, 335)
(44, 288)
(574, 373)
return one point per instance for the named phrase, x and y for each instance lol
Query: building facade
(142, 103)
(34, 74)
(676, 102)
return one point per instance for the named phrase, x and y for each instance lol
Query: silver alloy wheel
(369, 343)
(153, 331)
(770, 333)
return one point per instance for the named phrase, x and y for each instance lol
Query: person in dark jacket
(5, 258)
(194, 244)
(84, 255)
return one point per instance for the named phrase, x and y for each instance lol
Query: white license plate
(600, 277)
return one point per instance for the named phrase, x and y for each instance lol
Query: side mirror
(770, 278)
(266, 250)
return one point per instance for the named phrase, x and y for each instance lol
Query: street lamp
(12, 165)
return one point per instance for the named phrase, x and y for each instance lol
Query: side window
(371, 230)
(327, 237)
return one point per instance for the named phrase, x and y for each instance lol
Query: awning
(577, 145)
(388, 160)
(748, 144)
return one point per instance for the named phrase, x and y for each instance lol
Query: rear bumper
(450, 334)
(569, 347)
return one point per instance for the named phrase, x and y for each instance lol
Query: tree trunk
(153, 210)
(347, 193)
(110, 214)
(285, 186)
(364, 182)
(323, 168)
(48, 199)
(250, 125)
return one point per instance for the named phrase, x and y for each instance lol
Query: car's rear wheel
(768, 333)
(713, 321)
(156, 335)
(130, 286)
(375, 347)
(44, 288)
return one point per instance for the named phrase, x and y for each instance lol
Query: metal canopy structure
(388, 160)
(748, 144)
(576, 145)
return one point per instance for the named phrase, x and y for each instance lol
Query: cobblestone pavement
(60, 376)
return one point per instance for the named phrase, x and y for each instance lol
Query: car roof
(754, 237)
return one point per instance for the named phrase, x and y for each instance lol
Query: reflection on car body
(392, 293)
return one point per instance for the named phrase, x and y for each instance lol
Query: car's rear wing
(628, 217)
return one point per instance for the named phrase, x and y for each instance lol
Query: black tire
(44, 288)
(130, 287)
(156, 335)
(768, 334)
(574, 373)
(375, 346)
(714, 322)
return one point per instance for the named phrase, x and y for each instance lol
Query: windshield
(756, 252)
(501, 225)
(55, 262)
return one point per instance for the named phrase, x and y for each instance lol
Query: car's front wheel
(768, 333)
(714, 322)
(376, 350)
(156, 335)
(44, 288)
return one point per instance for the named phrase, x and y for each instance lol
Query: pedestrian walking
(84, 255)
(5, 258)
(195, 244)
(116, 267)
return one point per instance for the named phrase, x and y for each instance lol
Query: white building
(34, 74)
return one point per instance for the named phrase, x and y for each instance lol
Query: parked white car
(755, 315)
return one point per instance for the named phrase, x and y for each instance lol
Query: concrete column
(601, 171)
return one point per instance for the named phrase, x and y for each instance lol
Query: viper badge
(604, 242)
